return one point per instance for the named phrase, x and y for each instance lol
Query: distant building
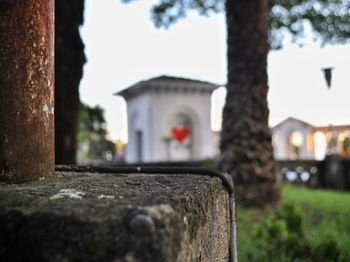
(296, 139)
(169, 120)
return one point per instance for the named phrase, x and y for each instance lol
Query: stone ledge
(104, 217)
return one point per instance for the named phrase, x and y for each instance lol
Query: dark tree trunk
(69, 55)
(246, 148)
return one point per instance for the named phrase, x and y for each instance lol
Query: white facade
(169, 120)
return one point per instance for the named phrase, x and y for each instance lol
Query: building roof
(168, 83)
(315, 128)
(292, 119)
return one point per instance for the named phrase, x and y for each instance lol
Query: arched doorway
(344, 144)
(320, 145)
(296, 140)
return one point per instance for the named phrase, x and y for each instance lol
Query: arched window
(346, 147)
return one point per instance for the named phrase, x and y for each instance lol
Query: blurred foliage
(311, 225)
(92, 135)
(329, 19)
(281, 238)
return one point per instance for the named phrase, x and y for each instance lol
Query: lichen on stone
(68, 193)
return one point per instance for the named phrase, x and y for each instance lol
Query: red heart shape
(180, 134)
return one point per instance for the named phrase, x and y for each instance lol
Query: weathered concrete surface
(26, 89)
(104, 217)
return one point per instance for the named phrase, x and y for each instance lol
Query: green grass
(325, 214)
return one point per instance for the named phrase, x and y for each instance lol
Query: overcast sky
(123, 47)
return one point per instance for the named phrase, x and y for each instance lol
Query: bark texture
(246, 147)
(70, 59)
(26, 89)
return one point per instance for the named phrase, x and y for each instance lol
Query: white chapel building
(169, 120)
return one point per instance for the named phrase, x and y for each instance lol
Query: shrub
(281, 237)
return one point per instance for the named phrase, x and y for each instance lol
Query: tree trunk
(69, 55)
(246, 147)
